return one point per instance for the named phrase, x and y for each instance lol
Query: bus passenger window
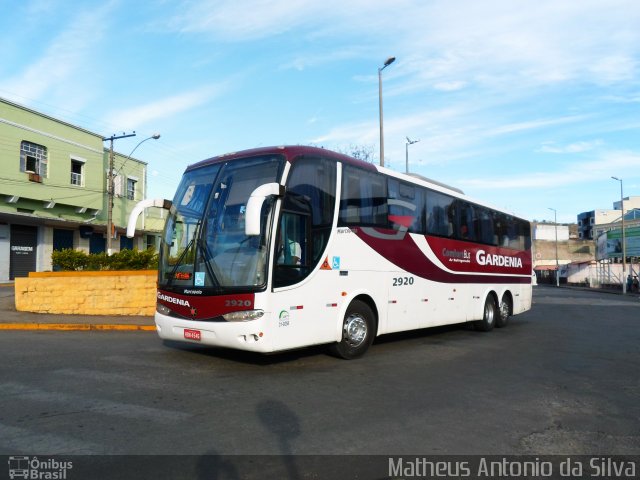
(364, 198)
(467, 221)
(441, 214)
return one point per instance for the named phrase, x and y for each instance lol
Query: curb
(597, 290)
(76, 327)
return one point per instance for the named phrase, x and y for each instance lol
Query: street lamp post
(409, 142)
(624, 247)
(555, 222)
(155, 136)
(388, 62)
(111, 186)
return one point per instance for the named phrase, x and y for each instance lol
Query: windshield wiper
(179, 261)
(207, 259)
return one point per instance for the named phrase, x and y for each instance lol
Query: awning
(545, 267)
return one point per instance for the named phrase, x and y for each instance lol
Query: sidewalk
(11, 319)
(613, 291)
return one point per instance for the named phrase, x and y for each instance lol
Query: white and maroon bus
(279, 248)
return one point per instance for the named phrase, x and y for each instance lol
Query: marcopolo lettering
(484, 258)
(177, 301)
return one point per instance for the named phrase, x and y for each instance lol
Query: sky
(527, 105)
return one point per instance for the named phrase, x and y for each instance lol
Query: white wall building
(547, 231)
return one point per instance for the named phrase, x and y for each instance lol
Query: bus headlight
(243, 316)
(160, 308)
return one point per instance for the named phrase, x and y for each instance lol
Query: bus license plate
(192, 334)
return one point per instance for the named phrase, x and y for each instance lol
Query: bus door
(303, 301)
(292, 249)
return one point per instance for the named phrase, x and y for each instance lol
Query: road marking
(76, 327)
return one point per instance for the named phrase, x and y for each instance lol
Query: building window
(77, 170)
(152, 242)
(33, 158)
(131, 188)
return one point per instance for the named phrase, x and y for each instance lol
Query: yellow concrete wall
(88, 293)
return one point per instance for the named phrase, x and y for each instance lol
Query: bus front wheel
(489, 315)
(357, 331)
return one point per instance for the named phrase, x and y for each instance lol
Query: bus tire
(504, 312)
(489, 315)
(357, 331)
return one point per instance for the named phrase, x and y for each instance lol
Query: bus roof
(291, 152)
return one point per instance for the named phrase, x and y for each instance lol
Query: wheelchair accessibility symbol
(335, 263)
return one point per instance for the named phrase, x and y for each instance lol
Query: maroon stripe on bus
(406, 255)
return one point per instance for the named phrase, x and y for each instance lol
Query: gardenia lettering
(484, 258)
(177, 301)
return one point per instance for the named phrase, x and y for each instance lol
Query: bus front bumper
(250, 335)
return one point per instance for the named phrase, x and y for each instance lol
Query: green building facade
(53, 192)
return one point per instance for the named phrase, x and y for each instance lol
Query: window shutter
(23, 162)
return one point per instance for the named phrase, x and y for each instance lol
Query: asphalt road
(560, 379)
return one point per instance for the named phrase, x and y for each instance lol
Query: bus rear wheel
(504, 312)
(489, 315)
(357, 331)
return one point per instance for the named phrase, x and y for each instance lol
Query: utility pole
(110, 188)
(555, 222)
(624, 247)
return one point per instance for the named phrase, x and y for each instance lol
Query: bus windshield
(204, 242)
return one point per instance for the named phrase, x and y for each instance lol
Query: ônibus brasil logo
(33, 468)
(484, 258)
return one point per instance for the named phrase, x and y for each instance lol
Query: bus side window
(411, 204)
(485, 226)
(441, 214)
(364, 198)
(500, 228)
(465, 221)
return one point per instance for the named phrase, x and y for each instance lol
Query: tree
(361, 152)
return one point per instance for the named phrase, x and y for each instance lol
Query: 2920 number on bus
(402, 281)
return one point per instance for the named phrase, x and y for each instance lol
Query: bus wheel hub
(355, 330)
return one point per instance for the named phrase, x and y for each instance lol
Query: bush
(69, 259)
(76, 260)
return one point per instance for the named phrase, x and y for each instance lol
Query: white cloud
(233, 21)
(577, 147)
(441, 45)
(67, 52)
(139, 116)
(532, 125)
(610, 163)
(242, 21)
(450, 86)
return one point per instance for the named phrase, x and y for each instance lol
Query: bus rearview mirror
(254, 206)
(140, 207)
